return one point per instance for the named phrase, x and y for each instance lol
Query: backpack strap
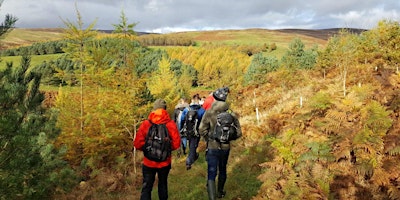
(165, 125)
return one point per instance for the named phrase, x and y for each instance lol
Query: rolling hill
(24, 37)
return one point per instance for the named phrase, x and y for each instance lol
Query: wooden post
(255, 105)
(301, 101)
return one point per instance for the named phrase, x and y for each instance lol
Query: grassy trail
(241, 183)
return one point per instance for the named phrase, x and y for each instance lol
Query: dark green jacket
(209, 121)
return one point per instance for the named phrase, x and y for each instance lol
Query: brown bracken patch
(212, 36)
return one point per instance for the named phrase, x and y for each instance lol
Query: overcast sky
(185, 15)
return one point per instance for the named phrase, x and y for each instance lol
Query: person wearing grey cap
(217, 152)
(218, 95)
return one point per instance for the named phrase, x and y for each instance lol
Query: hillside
(24, 37)
(325, 130)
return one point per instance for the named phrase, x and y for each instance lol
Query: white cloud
(177, 15)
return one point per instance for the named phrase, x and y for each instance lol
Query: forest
(319, 121)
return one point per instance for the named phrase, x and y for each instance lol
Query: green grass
(242, 182)
(35, 60)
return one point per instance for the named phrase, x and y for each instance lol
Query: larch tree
(77, 49)
(112, 99)
(125, 32)
(162, 84)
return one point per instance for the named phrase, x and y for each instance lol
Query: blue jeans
(149, 176)
(193, 144)
(184, 142)
(217, 159)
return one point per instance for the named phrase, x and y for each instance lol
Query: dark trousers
(193, 144)
(149, 176)
(217, 159)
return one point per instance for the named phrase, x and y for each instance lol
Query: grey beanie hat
(160, 103)
(221, 93)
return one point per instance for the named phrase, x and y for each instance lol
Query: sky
(163, 16)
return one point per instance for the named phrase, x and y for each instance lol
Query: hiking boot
(211, 189)
(196, 157)
(220, 188)
(188, 167)
(221, 194)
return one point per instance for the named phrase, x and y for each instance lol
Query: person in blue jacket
(192, 135)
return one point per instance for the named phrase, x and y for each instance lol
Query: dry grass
(257, 37)
(24, 37)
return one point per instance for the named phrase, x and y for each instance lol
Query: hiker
(217, 152)
(150, 168)
(220, 95)
(190, 122)
(176, 116)
(180, 106)
(201, 102)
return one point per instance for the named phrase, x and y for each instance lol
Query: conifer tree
(163, 82)
(126, 33)
(30, 168)
(260, 65)
(299, 58)
(78, 50)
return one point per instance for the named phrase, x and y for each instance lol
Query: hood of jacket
(159, 116)
(219, 106)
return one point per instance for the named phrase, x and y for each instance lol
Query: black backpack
(189, 127)
(157, 146)
(225, 129)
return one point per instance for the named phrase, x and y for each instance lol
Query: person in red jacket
(150, 168)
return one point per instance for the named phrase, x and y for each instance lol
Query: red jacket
(159, 116)
(208, 102)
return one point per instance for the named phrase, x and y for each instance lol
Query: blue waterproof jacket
(200, 113)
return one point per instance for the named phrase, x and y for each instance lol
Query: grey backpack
(157, 146)
(225, 129)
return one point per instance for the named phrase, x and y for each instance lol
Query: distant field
(23, 37)
(256, 37)
(35, 60)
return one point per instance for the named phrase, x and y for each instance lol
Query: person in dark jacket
(150, 168)
(217, 153)
(193, 139)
